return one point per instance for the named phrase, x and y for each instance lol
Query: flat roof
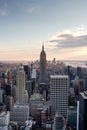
(58, 76)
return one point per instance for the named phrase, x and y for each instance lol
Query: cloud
(69, 44)
(30, 9)
(69, 39)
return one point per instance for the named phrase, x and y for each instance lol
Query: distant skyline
(25, 24)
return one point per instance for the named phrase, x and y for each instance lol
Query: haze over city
(25, 24)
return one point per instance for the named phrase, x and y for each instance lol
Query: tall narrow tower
(21, 93)
(20, 110)
(43, 66)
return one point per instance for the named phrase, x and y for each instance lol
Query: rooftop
(59, 76)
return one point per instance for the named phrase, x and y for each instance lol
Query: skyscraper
(79, 72)
(27, 71)
(20, 110)
(59, 94)
(9, 77)
(83, 111)
(21, 93)
(42, 66)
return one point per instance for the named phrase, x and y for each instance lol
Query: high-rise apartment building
(42, 66)
(59, 94)
(21, 93)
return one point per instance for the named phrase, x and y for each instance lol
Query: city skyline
(25, 24)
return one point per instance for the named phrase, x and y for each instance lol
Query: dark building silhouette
(9, 78)
(42, 66)
(7, 89)
(85, 81)
(69, 71)
(83, 111)
(44, 88)
(27, 71)
(79, 72)
(43, 83)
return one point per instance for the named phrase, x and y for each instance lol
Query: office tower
(1, 95)
(33, 74)
(9, 78)
(14, 93)
(21, 93)
(72, 116)
(85, 83)
(59, 94)
(79, 72)
(29, 87)
(9, 102)
(33, 77)
(83, 111)
(42, 66)
(69, 71)
(7, 90)
(27, 71)
(20, 110)
(81, 85)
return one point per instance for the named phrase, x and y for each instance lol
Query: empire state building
(42, 66)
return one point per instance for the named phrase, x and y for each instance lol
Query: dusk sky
(25, 24)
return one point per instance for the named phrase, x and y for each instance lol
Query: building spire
(43, 46)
